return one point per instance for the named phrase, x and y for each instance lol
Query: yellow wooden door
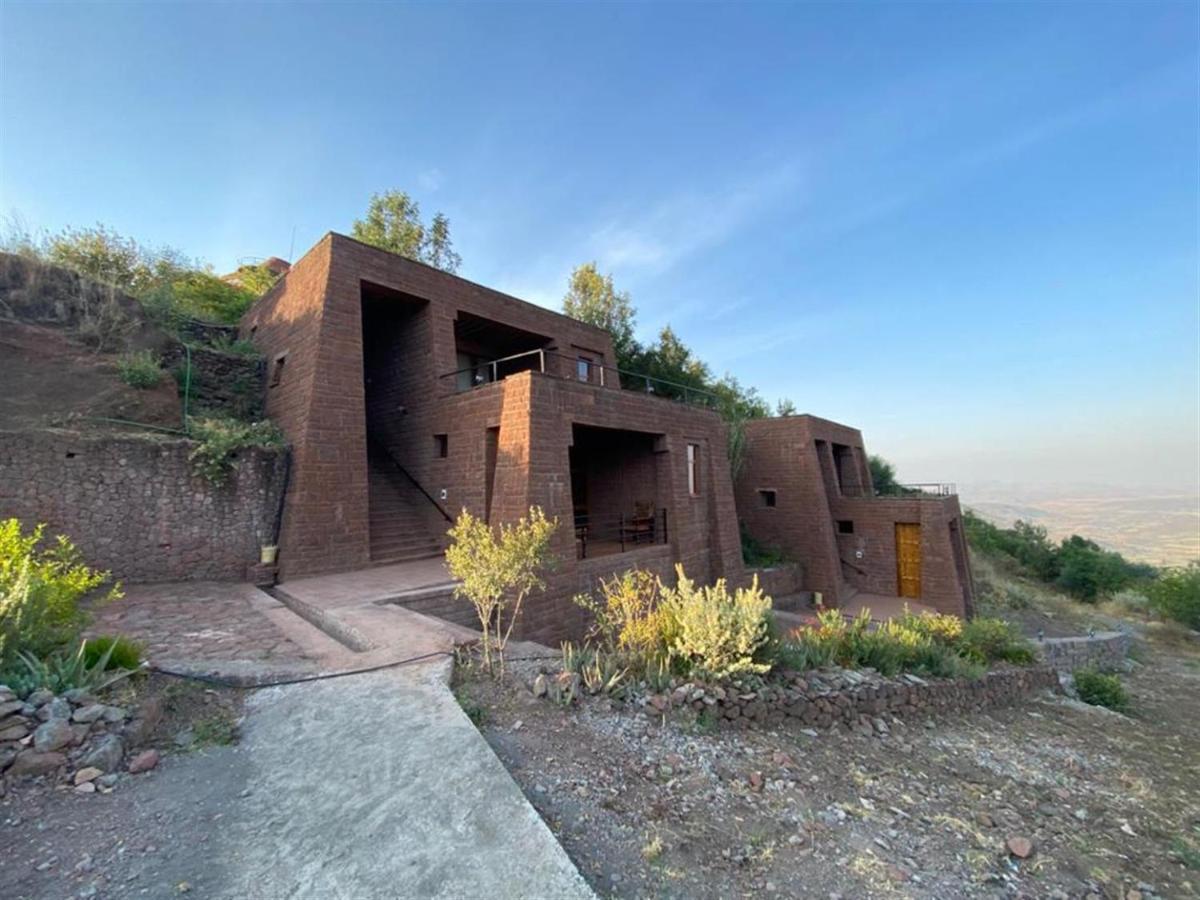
(908, 559)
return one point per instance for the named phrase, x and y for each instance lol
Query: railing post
(495, 372)
(542, 360)
(602, 375)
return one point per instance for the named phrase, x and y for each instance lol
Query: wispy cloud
(431, 180)
(686, 222)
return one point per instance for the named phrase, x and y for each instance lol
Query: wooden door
(908, 559)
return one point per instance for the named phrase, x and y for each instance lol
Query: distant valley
(1151, 525)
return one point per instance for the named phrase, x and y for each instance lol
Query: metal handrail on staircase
(407, 474)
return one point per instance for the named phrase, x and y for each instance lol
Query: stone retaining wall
(1105, 651)
(779, 580)
(854, 699)
(131, 504)
(221, 381)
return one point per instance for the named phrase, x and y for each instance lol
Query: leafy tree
(393, 222)
(592, 298)
(103, 255)
(883, 475)
(497, 568)
(785, 407)
(1176, 595)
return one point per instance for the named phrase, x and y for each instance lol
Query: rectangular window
(277, 372)
(693, 467)
(583, 368)
(767, 497)
(845, 526)
(441, 443)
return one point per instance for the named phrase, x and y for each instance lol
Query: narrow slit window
(441, 443)
(277, 371)
(693, 468)
(767, 497)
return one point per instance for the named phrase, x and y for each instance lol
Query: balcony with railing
(578, 369)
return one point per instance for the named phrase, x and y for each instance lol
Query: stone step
(324, 619)
(394, 558)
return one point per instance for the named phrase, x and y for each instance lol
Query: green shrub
(202, 295)
(63, 671)
(994, 640)
(1176, 595)
(757, 554)
(219, 439)
(497, 568)
(140, 369)
(929, 644)
(223, 343)
(120, 652)
(1099, 689)
(718, 634)
(40, 590)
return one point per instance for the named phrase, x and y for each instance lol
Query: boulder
(31, 762)
(1020, 847)
(40, 697)
(13, 729)
(53, 734)
(106, 755)
(8, 707)
(143, 762)
(91, 773)
(90, 713)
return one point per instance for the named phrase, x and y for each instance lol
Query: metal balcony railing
(605, 536)
(573, 368)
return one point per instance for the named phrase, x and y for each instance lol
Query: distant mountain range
(1153, 525)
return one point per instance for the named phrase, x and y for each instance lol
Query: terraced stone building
(408, 394)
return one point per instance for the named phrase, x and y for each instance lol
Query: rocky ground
(98, 815)
(1050, 798)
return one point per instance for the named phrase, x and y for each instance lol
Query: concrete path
(378, 786)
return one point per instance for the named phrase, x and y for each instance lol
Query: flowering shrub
(719, 634)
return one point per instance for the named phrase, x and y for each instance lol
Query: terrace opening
(483, 348)
(615, 493)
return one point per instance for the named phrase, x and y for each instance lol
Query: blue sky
(969, 229)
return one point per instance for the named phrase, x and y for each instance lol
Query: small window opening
(693, 460)
(583, 368)
(845, 526)
(767, 497)
(441, 443)
(277, 372)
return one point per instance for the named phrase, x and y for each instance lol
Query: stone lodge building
(408, 394)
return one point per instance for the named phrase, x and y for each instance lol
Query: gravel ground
(145, 839)
(648, 808)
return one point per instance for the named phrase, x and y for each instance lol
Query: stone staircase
(399, 524)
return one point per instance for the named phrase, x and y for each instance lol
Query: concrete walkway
(378, 786)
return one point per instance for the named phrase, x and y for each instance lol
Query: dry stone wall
(1105, 651)
(827, 698)
(225, 382)
(133, 506)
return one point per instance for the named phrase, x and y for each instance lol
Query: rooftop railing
(578, 369)
(916, 491)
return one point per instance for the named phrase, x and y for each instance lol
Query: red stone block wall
(797, 457)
